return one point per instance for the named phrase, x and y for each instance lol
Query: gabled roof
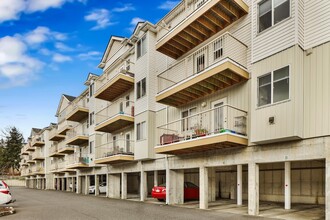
(108, 49)
(142, 26)
(34, 131)
(68, 98)
(90, 76)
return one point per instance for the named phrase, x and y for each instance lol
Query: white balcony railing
(214, 53)
(118, 107)
(80, 103)
(215, 121)
(78, 130)
(77, 158)
(120, 146)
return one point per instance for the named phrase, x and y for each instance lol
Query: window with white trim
(141, 88)
(141, 131)
(141, 47)
(274, 86)
(270, 12)
(188, 123)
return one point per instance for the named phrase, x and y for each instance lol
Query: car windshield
(190, 185)
(163, 184)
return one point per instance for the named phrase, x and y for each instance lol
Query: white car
(102, 188)
(5, 196)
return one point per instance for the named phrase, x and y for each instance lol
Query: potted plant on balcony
(199, 131)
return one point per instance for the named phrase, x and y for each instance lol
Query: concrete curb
(6, 211)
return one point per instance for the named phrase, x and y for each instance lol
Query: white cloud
(92, 55)
(60, 58)
(62, 47)
(16, 66)
(124, 8)
(37, 36)
(12, 9)
(168, 5)
(134, 22)
(101, 17)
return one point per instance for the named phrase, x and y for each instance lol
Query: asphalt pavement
(40, 204)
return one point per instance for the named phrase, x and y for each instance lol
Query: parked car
(5, 195)
(102, 188)
(190, 191)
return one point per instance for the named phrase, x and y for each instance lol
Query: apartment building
(231, 95)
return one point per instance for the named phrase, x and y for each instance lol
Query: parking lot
(37, 204)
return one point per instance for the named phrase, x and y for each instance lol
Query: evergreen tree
(11, 149)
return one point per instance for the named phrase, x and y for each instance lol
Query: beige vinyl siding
(274, 39)
(288, 114)
(115, 47)
(300, 19)
(317, 17)
(316, 92)
(141, 150)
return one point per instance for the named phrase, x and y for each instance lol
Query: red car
(191, 191)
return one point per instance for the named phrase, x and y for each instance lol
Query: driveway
(37, 204)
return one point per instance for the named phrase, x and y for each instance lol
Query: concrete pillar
(287, 189)
(87, 184)
(79, 185)
(156, 178)
(253, 206)
(114, 186)
(107, 190)
(239, 184)
(143, 185)
(211, 184)
(123, 185)
(68, 181)
(327, 184)
(97, 185)
(174, 187)
(73, 184)
(63, 184)
(203, 188)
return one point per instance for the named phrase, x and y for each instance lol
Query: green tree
(11, 149)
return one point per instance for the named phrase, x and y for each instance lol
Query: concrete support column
(73, 184)
(123, 185)
(287, 189)
(87, 183)
(107, 190)
(327, 184)
(203, 188)
(239, 184)
(211, 184)
(79, 185)
(114, 186)
(156, 178)
(97, 185)
(63, 183)
(174, 186)
(143, 185)
(68, 181)
(253, 206)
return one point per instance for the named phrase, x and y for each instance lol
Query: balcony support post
(143, 184)
(123, 185)
(253, 179)
(87, 184)
(211, 184)
(156, 178)
(174, 184)
(203, 187)
(63, 184)
(97, 185)
(73, 184)
(114, 186)
(79, 185)
(239, 184)
(68, 181)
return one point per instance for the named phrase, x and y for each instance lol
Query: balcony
(24, 163)
(53, 151)
(28, 147)
(196, 22)
(38, 170)
(220, 127)
(55, 136)
(115, 84)
(114, 152)
(116, 116)
(30, 160)
(37, 142)
(65, 149)
(78, 135)
(77, 110)
(38, 155)
(216, 66)
(23, 151)
(76, 161)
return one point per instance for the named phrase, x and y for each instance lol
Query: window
(91, 118)
(141, 131)
(128, 142)
(114, 141)
(127, 101)
(271, 12)
(200, 61)
(91, 145)
(188, 123)
(217, 49)
(91, 89)
(141, 88)
(141, 47)
(274, 87)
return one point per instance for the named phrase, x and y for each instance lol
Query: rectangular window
(141, 47)
(114, 142)
(127, 101)
(141, 88)
(141, 131)
(274, 87)
(91, 89)
(188, 123)
(91, 118)
(271, 12)
(91, 145)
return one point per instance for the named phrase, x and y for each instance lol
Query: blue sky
(47, 48)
